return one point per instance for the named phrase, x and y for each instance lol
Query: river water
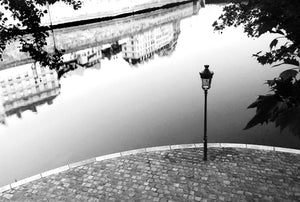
(116, 103)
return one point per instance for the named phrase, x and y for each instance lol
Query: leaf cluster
(27, 28)
(282, 106)
(280, 17)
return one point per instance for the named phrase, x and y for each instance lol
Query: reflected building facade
(158, 40)
(85, 58)
(25, 88)
(89, 57)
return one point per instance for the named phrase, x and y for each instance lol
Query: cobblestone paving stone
(230, 174)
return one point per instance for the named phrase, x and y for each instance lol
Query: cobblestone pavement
(230, 174)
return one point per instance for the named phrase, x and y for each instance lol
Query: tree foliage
(21, 20)
(282, 18)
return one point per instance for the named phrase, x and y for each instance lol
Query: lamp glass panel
(205, 83)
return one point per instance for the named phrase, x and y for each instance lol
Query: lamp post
(206, 77)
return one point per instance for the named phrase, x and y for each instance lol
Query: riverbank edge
(144, 150)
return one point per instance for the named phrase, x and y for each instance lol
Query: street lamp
(206, 77)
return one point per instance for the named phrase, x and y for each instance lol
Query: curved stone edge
(143, 150)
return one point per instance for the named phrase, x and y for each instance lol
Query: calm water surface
(118, 106)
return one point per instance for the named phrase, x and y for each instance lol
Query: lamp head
(206, 76)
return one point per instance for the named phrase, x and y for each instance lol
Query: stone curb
(55, 171)
(82, 163)
(183, 146)
(26, 180)
(160, 148)
(132, 152)
(109, 156)
(143, 150)
(233, 145)
(260, 147)
(281, 149)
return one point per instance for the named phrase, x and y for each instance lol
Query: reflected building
(170, 48)
(26, 88)
(197, 5)
(159, 40)
(111, 50)
(2, 112)
(89, 57)
(86, 58)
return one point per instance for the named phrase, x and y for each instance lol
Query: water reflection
(25, 88)
(86, 58)
(161, 40)
(29, 85)
(103, 33)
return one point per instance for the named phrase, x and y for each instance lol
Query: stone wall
(62, 13)
(76, 38)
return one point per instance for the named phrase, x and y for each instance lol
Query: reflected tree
(114, 49)
(282, 19)
(21, 20)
